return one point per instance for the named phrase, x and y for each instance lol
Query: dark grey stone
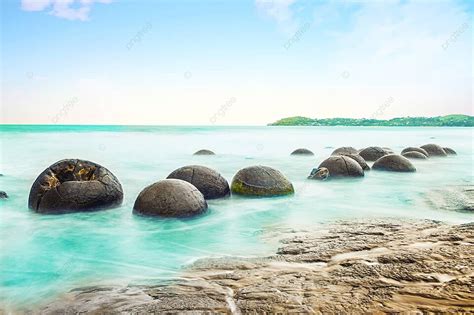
(394, 163)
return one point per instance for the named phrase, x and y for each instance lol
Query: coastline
(350, 267)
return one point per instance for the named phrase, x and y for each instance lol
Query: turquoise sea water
(42, 256)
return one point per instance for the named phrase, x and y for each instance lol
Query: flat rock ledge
(382, 266)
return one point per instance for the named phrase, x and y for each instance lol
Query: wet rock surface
(342, 166)
(302, 151)
(457, 198)
(345, 150)
(170, 198)
(394, 163)
(415, 149)
(434, 150)
(414, 155)
(380, 266)
(74, 185)
(208, 181)
(261, 181)
(360, 160)
(204, 152)
(372, 153)
(3, 195)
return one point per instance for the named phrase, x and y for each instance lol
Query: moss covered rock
(261, 181)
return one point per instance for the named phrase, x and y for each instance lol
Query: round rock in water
(372, 153)
(434, 150)
(261, 181)
(74, 185)
(170, 198)
(415, 149)
(208, 181)
(3, 195)
(204, 152)
(388, 150)
(359, 159)
(342, 166)
(344, 151)
(414, 155)
(449, 151)
(302, 151)
(393, 163)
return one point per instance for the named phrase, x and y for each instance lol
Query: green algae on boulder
(261, 181)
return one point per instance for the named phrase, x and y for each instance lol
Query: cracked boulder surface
(208, 181)
(74, 185)
(355, 267)
(261, 181)
(342, 166)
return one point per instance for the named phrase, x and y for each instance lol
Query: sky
(233, 62)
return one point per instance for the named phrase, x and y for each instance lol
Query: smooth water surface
(45, 255)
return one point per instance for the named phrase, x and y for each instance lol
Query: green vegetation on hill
(440, 121)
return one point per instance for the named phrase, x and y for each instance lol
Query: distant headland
(439, 121)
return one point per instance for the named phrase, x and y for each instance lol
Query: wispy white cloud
(66, 9)
(280, 10)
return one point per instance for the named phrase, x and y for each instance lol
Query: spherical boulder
(204, 152)
(393, 163)
(342, 166)
(321, 173)
(174, 198)
(261, 181)
(449, 151)
(414, 155)
(434, 150)
(372, 153)
(302, 151)
(415, 149)
(345, 150)
(208, 181)
(359, 159)
(74, 185)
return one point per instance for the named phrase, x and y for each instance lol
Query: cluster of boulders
(350, 162)
(74, 185)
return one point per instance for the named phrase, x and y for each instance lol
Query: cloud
(280, 10)
(66, 9)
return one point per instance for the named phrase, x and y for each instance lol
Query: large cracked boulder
(394, 163)
(170, 198)
(434, 149)
(208, 181)
(414, 155)
(372, 153)
(345, 150)
(261, 181)
(204, 152)
(359, 159)
(302, 151)
(74, 185)
(415, 149)
(342, 166)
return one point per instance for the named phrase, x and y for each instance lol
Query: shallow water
(45, 255)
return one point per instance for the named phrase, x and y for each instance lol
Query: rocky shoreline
(376, 266)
